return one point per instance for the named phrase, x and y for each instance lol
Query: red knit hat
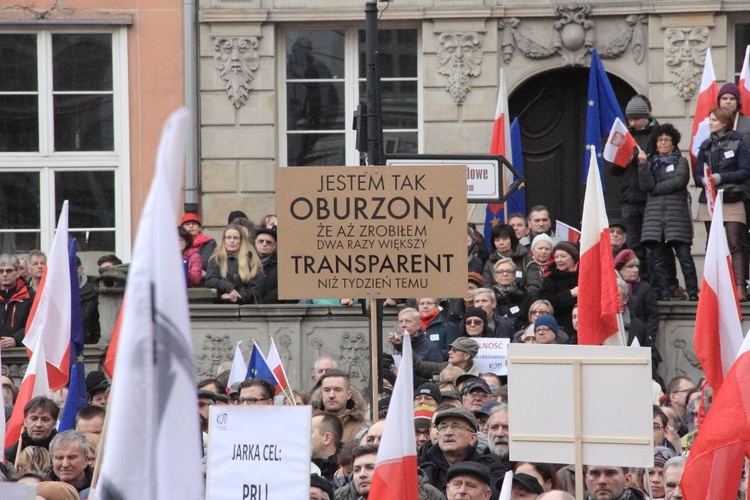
(190, 217)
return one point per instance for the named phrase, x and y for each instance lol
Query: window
(325, 77)
(63, 136)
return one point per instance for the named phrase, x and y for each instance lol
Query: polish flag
(566, 232)
(274, 363)
(707, 99)
(717, 457)
(718, 331)
(598, 296)
(620, 145)
(500, 144)
(239, 367)
(49, 319)
(395, 476)
(111, 356)
(744, 83)
(34, 384)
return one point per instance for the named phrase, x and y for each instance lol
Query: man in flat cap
(525, 487)
(461, 354)
(468, 481)
(457, 440)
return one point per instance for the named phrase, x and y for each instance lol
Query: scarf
(657, 162)
(426, 319)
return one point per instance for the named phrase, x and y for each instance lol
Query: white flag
(239, 367)
(152, 441)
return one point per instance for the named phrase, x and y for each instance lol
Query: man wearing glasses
(255, 391)
(15, 302)
(265, 245)
(457, 439)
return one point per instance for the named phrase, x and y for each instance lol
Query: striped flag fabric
(744, 83)
(620, 145)
(395, 475)
(77, 395)
(500, 144)
(598, 296)
(707, 98)
(566, 232)
(49, 319)
(34, 384)
(274, 363)
(718, 330)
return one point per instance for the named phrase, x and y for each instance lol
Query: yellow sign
(371, 232)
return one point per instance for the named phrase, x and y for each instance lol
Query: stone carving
(684, 358)
(214, 350)
(459, 58)
(685, 53)
(574, 37)
(283, 342)
(355, 356)
(237, 58)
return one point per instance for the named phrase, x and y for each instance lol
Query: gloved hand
(716, 178)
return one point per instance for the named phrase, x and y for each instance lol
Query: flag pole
(289, 395)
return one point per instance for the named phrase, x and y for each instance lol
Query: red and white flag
(274, 363)
(49, 319)
(707, 99)
(744, 83)
(566, 232)
(598, 296)
(718, 330)
(34, 384)
(500, 143)
(717, 457)
(620, 145)
(395, 476)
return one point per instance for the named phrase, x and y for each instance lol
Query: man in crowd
(97, 387)
(475, 394)
(37, 264)
(256, 391)
(457, 437)
(676, 395)
(90, 419)
(338, 398)
(322, 365)
(546, 330)
(604, 482)
(92, 330)
(525, 487)
(428, 394)
(320, 488)
(70, 453)
(409, 324)
(498, 432)
(326, 437)
(521, 227)
(363, 467)
(15, 303)
(540, 222)
(468, 481)
(265, 245)
(673, 469)
(502, 327)
(460, 355)
(39, 419)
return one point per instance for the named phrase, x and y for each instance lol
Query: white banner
(492, 355)
(259, 452)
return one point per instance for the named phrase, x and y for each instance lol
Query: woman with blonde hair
(33, 459)
(234, 268)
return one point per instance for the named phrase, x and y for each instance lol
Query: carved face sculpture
(236, 59)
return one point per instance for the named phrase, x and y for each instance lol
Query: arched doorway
(552, 110)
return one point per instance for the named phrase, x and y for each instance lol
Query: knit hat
(430, 390)
(476, 312)
(661, 455)
(541, 237)
(477, 279)
(637, 108)
(467, 345)
(236, 214)
(623, 257)
(190, 217)
(528, 333)
(269, 232)
(570, 248)
(729, 88)
(423, 415)
(549, 321)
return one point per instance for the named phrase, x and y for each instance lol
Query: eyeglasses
(425, 432)
(251, 401)
(264, 242)
(541, 312)
(504, 271)
(658, 427)
(474, 322)
(453, 425)
(7, 271)
(542, 329)
(664, 139)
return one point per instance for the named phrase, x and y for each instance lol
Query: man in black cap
(456, 443)
(320, 488)
(617, 236)
(475, 394)
(265, 245)
(97, 387)
(525, 487)
(428, 394)
(468, 481)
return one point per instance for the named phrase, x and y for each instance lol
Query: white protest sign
(492, 356)
(259, 452)
(17, 491)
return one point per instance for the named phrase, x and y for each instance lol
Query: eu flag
(258, 367)
(601, 110)
(517, 201)
(77, 397)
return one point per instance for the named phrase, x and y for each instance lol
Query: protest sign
(371, 232)
(492, 355)
(259, 452)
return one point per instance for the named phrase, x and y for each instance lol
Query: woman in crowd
(506, 244)
(560, 288)
(512, 299)
(727, 159)
(234, 268)
(434, 325)
(475, 324)
(641, 297)
(546, 474)
(541, 261)
(191, 259)
(204, 243)
(663, 173)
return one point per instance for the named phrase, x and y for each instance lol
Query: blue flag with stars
(258, 367)
(601, 110)
(77, 397)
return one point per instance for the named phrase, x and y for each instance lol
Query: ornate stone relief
(685, 53)
(237, 59)
(459, 58)
(214, 350)
(353, 355)
(574, 37)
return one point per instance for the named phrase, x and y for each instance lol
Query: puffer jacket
(667, 215)
(727, 156)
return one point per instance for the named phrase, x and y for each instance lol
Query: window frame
(48, 162)
(351, 82)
